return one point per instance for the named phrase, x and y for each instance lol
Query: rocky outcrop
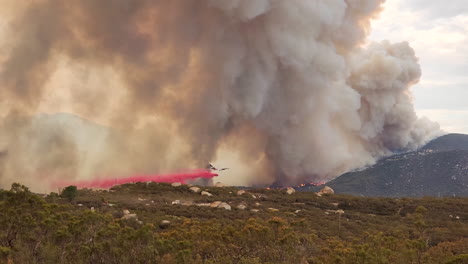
(326, 190)
(219, 204)
(290, 190)
(241, 207)
(164, 224)
(195, 189)
(240, 192)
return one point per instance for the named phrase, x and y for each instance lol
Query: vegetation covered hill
(448, 142)
(438, 169)
(160, 223)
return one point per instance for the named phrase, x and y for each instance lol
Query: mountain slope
(415, 174)
(438, 169)
(449, 142)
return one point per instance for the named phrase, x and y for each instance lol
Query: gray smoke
(289, 85)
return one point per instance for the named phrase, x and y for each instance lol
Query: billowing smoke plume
(291, 86)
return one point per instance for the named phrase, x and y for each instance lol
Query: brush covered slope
(160, 223)
(438, 169)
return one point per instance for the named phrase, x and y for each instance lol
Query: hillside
(414, 174)
(438, 169)
(160, 223)
(448, 142)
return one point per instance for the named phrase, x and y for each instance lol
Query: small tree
(69, 192)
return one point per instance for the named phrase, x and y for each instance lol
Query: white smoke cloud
(287, 83)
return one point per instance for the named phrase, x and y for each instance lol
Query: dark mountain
(449, 142)
(438, 169)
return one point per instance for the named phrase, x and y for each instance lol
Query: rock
(225, 206)
(203, 204)
(130, 216)
(254, 210)
(205, 193)
(92, 209)
(457, 217)
(253, 196)
(219, 184)
(290, 190)
(126, 212)
(111, 204)
(336, 212)
(297, 211)
(147, 204)
(326, 190)
(219, 204)
(195, 189)
(335, 204)
(240, 192)
(141, 199)
(140, 222)
(176, 184)
(273, 210)
(164, 224)
(241, 207)
(186, 203)
(176, 202)
(215, 204)
(80, 205)
(258, 204)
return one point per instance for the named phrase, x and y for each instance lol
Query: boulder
(195, 189)
(219, 184)
(126, 212)
(219, 204)
(225, 206)
(203, 204)
(273, 210)
(240, 192)
(290, 190)
(241, 207)
(176, 202)
(130, 216)
(326, 190)
(176, 184)
(205, 193)
(254, 210)
(164, 224)
(215, 204)
(186, 203)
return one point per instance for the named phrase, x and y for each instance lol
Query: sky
(438, 32)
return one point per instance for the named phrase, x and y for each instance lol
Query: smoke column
(292, 86)
(168, 178)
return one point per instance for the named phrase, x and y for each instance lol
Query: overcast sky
(438, 31)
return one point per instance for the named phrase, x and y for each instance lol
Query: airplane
(211, 167)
